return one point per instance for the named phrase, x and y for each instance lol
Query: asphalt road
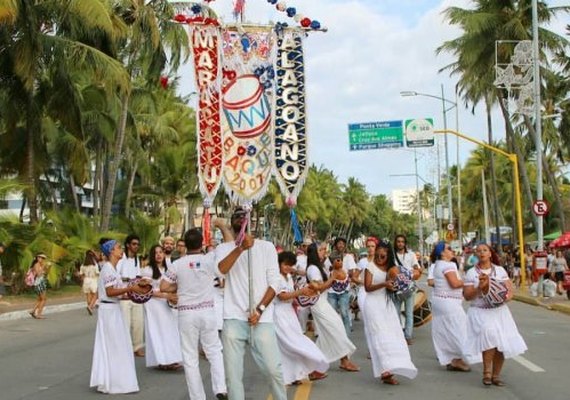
(51, 359)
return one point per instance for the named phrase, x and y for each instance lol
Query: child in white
(191, 278)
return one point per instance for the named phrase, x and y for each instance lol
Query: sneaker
(222, 396)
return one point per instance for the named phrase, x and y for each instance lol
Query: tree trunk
(130, 189)
(551, 178)
(522, 165)
(32, 128)
(97, 186)
(493, 179)
(73, 194)
(114, 165)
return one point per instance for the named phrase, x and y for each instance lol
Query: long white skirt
(488, 328)
(332, 339)
(161, 331)
(386, 342)
(448, 328)
(299, 355)
(113, 369)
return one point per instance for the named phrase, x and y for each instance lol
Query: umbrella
(562, 241)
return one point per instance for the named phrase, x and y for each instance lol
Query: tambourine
(140, 298)
(497, 293)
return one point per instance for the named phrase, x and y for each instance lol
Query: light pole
(444, 102)
(537, 121)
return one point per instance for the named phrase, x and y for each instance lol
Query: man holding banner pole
(239, 262)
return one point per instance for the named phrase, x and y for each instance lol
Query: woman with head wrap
(388, 348)
(492, 334)
(113, 367)
(448, 328)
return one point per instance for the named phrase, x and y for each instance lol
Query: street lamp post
(537, 121)
(445, 102)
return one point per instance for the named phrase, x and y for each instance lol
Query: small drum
(422, 309)
(246, 107)
(497, 293)
(138, 297)
(307, 301)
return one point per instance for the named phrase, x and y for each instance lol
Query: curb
(563, 308)
(14, 315)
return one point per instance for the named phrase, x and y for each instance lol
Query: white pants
(303, 315)
(199, 326)
(133, 315)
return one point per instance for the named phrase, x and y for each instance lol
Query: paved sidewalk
(12, 308)
(557, 303)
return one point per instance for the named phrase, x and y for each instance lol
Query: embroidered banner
(246, 120)
(205, 41)
(290, 139)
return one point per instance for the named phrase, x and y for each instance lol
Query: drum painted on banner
(290, 140)
(246, 121)
(246, 107)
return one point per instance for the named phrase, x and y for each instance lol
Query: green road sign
(419, 132)
(375, 135)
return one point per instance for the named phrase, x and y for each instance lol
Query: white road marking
(528, 364)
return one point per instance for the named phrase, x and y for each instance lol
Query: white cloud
(355, 72)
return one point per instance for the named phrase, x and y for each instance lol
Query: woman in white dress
(371, 244)
(492, 334)
(449, 324)
(384, 335)
(300, 356)
(332, 339)
(89, 270)
(160, 322)
(113, 368)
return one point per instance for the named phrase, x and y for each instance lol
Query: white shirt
(301, 267)
(129, 268)
(348, 263)
(193, 275)
(408, 260)
(265, 271)
(108, 277)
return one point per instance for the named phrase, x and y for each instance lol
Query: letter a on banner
(290, 122)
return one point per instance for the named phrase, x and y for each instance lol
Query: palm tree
(488, 22)
(40, 52)
(144, 53)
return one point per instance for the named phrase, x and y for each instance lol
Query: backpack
(30, 278)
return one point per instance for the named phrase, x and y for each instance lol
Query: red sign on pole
(540, 208)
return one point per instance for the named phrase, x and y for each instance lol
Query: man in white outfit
(301, 280)
(191, 278)
(242, 326)
(129, 267)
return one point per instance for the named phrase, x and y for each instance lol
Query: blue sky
(373, 50)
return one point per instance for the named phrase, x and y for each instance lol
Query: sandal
(316, 375)
(33, 315)
(89, 311)
(487, 381)
(350, 367)
(389, 380)
(497, 382)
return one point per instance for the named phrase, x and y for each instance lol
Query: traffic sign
(419, 132)
(375, 135)
(540, 208)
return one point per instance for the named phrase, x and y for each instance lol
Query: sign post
(375, 135)
(419, 132)
(540, 208)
